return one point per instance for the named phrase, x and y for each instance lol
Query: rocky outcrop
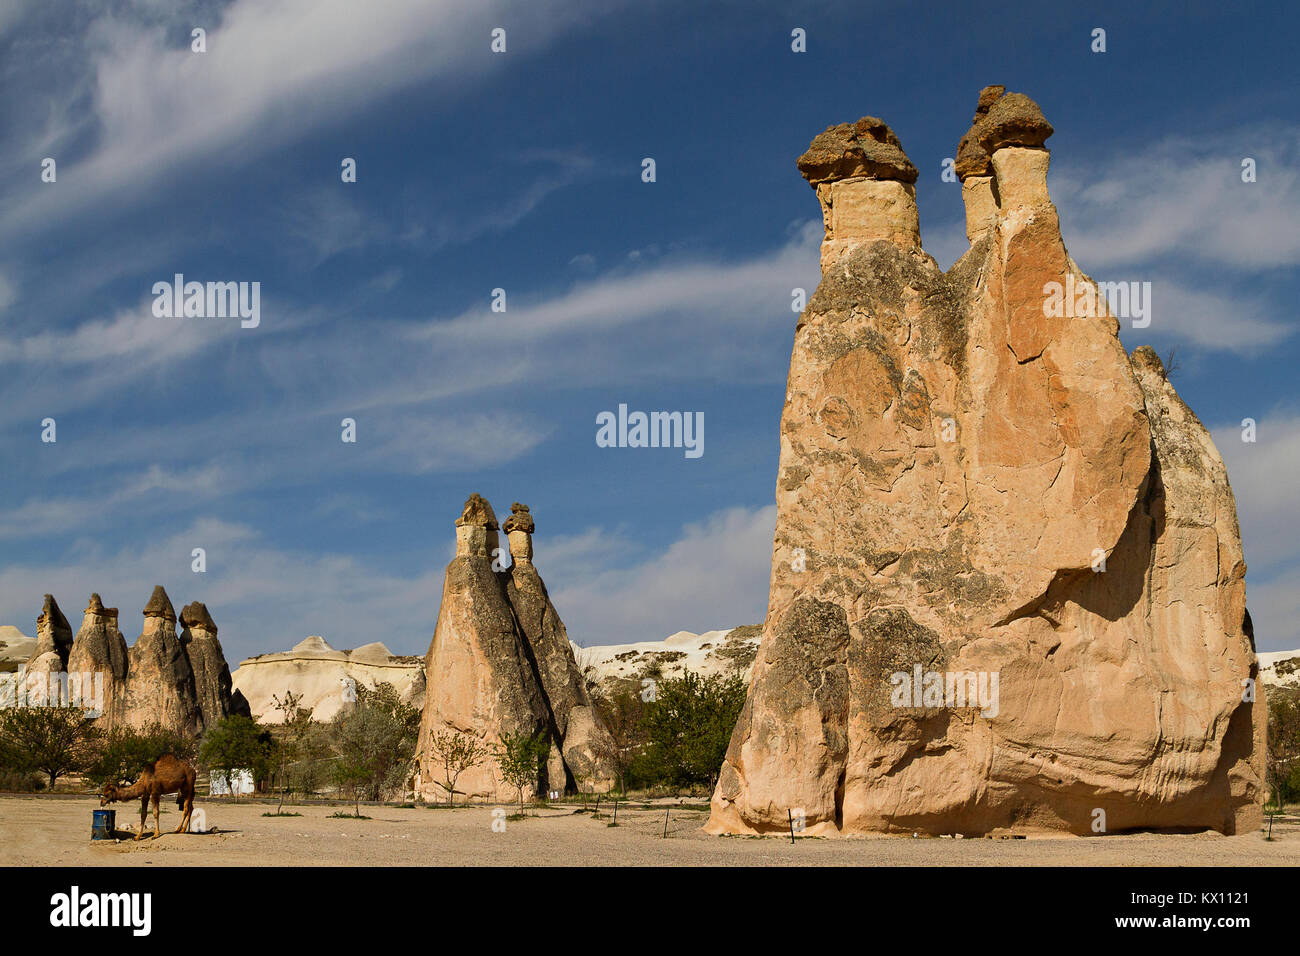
(160, 681)
(49, 660)
(324, 677)
(180, 681)
(212, 685)
(614, 667)
(1007, 585)
(500, 663)
(100, 649)
(581, 748)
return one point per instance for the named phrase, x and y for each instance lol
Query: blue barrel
(104, 822)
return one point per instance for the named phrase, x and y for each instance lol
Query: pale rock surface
(955, 466)
(15, 646)
(320, 675)
(1280, 668)
(100, 648)
(50, 655)
(708, 654)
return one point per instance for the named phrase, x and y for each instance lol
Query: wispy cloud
(156, 106)
(1176, 199)
(714, 576)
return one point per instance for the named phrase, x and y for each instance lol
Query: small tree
(237, 743)
(623, 713)
(374, 742)
(457, 753)
(520, 757)
(1283, 755)
(54, 741)
(122, 754)
(295, 724)
(689, 725)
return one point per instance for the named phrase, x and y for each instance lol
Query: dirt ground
(53, 831)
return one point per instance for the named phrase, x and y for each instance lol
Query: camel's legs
(185, 820)
(144, 812)
(157, 829)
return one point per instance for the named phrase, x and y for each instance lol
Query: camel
(168, 774)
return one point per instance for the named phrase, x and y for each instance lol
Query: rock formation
(50, 658)
(319, 674)
(100, 649)
(212, 686)
(1007, 585)
(179, 681)
(160, 681)
(501, 663)
(581, 748)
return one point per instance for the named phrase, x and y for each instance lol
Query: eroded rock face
(181, 681)
(198, 637)
(100, 649)
(583, 751)
(971, 487)
(160, 681)
(50, 657)
(500, 662)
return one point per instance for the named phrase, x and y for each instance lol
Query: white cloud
(94, 509)
(1263, 477)
(1175, 199)
(1275, 611)
(1212, 320)
(272, 71)
(714, 576)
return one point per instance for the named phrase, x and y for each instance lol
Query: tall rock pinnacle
(500, 663)
(1007, 587)
(864, 183)
(160, 681)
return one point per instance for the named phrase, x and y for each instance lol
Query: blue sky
(522, 171)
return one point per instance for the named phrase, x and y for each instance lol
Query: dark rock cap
(50, 613)
(196, 614)
(1145, 357)
(865, 148)
(1001, 119)
(521, 519)
(160, 605)
(478, 511)
(96, 606)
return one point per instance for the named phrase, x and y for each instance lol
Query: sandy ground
(38, 831)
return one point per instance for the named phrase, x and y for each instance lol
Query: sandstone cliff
(501, 663)
(320, 675)
(978, 494)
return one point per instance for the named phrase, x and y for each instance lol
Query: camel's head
(108, 795)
